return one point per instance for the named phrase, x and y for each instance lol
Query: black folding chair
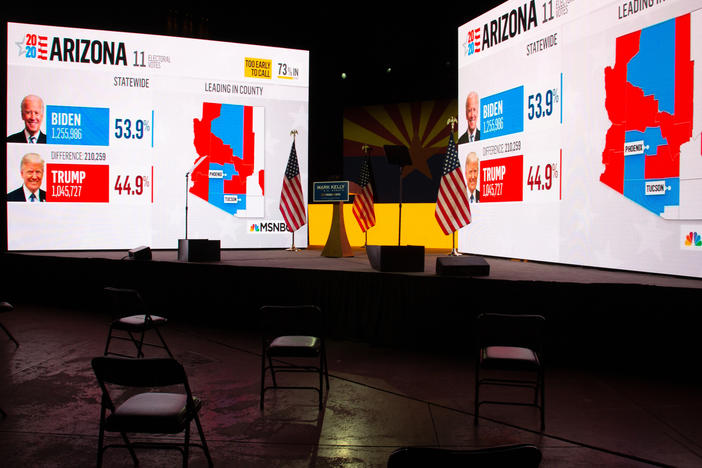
(293, 341)
(7, 307)
(521, 455)
(150, 412)
(131, 320)
(510, 347)
(518, 455)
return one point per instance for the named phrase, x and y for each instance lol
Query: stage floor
(500, 268)
(380, 399)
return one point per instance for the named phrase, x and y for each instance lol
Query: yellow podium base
(337, 243)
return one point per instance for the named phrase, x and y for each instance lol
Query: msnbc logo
(693, 239)
(269, 227)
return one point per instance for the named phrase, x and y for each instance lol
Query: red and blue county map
(226, 137)
(649, 101)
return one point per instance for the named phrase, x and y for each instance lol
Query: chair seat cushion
(151, 412)
(512, 357)
(137, 321)
(295, 345)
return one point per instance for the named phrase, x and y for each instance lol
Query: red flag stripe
(294, 211)
(460, 197)
(292, 200)
(451, 202)
(364, 212)
(363, 208)
(452, 208)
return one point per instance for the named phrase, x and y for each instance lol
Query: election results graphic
(585, 123)
(145, 139)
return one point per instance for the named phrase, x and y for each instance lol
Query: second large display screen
(580, 133)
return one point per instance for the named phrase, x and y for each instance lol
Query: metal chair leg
(9, 335)
(203, 442)
(476, 408)
(543, 401)
(163, 342)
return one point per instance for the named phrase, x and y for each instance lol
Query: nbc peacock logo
(693, 239)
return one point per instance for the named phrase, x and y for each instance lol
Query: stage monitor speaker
(462, 265)
(140, 253)
(198, 250)
(396, 258)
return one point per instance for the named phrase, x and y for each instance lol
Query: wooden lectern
(337, 243)
(336, 192)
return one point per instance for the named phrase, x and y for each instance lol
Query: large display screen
(130, 128)
(579, 133)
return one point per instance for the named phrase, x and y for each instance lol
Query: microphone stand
(187, 191)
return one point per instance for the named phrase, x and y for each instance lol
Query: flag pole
(454, 253)
(292, 248)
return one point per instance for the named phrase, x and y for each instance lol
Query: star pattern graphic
(22, 48)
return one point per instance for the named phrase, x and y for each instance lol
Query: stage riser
(620, 326)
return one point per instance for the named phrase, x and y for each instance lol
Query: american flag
(292, 201)
(452, 209)
(363, 208)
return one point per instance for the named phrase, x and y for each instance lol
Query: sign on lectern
(336, 192)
